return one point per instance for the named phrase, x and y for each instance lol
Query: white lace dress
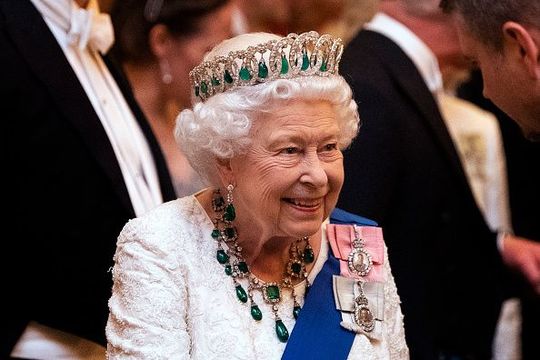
(172, 300)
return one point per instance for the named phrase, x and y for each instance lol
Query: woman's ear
(527, 42)
(159, 41)
(225, 171)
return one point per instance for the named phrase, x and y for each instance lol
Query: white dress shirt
(126, 137)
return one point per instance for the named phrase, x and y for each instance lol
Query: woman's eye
(290, 150)
(330, 147)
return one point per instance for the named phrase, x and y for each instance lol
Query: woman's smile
(305, 204)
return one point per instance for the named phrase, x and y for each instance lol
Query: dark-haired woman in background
(158, 42)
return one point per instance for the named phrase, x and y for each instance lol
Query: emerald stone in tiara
(307, 54)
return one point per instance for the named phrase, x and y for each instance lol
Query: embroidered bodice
(172, 300)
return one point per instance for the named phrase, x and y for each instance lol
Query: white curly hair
(219, 128)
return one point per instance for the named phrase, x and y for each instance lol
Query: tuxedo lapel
(407, 77)
(48, 62)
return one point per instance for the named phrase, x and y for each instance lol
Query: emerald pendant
(242, 266)
(222, 256)
(228, 269)
(215, 81)
(227, 77)
(241, 293)
(323, 66)
(215, 233)
(230, 233)
(305, 61)
(244, 74)
(263, 70)
(230, 213)
(309, 256)
(272, 293)
(284, 65)
(204, 87)
(196, 91)
(296, 268)
(256, 313)
(281, 331)
(296, 311)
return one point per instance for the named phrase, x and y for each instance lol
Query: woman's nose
(314, 173)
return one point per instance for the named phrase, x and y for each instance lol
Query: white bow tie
(88, 27)
(84, 27)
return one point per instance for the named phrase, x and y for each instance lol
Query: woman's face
(289, 180)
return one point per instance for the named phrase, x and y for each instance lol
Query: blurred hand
(523, 255)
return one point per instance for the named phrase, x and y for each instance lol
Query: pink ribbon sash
(341, 238)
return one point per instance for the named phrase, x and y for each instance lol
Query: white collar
(82, 26)
(413, 46)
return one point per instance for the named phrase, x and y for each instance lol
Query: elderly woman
(255, 266)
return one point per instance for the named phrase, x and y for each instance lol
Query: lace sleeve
(147, 309)
(393, 317)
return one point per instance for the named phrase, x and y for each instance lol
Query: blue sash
(317, 333)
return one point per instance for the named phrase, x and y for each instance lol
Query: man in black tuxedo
(404, 172)
(523, 157)
(504, 40)
(81, 161)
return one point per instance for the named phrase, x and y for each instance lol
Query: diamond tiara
(307, 54)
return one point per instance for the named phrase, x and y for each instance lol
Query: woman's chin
(304, 228)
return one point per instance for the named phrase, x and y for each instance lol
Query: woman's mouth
(307, 204)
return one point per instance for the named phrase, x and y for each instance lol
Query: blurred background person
(82, 160)
(341, 18)
(261, 15)
(105, 5)
(158, 42)
(320, 16)
(355, 13)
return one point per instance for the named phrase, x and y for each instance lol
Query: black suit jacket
(66, 197)
(403, 171)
